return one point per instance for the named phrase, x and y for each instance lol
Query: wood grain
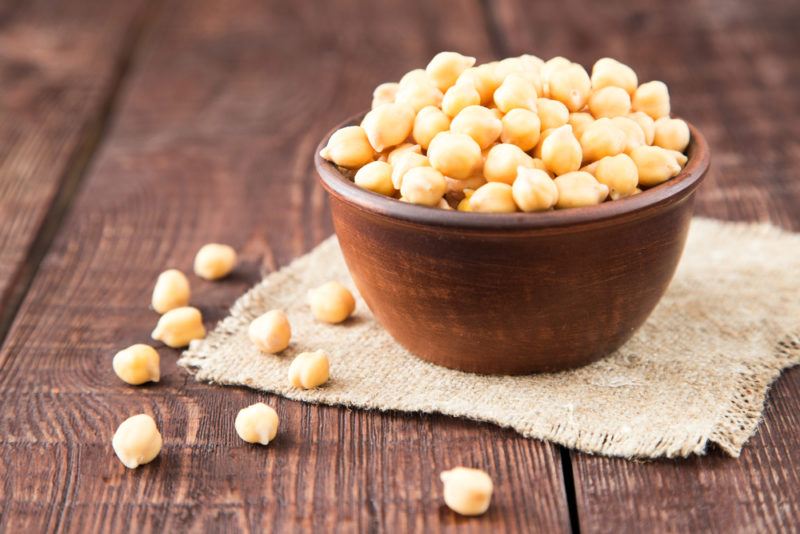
(214, 142)
(731, 70)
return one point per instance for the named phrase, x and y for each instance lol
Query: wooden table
(132, 132)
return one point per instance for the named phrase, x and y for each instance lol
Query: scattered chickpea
(467, 491)
(258, 423)
(178, 327)
(493, 197)
(331, 302)
(570, 85)
(423, 185)
(515, 92)
(388, 125)
(137, 441)
(521, 127)
(609, 102)
(478, 122)
(602, 138)
(384, 94)
(552, 113)
(429, 122)
(309, 370)
(502, 162)
(137, 364)
(349, 147)
(270, 332)
(455, 155)
(534, 190)
(458, 97)
(655, 164)
(375, 176)
(608, 72)
(619, 173)
(672, 134)
(214, 261)
(579, 188)
(445, 68)
(171, 291)
(653, 99)
(561, 152)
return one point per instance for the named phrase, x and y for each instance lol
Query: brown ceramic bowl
(513, 293)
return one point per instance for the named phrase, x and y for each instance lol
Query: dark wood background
(134, 131)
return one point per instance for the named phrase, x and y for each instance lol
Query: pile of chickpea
(521, 134)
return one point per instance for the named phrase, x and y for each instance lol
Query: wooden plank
(60, 65)
(729, 71)
(214, 142)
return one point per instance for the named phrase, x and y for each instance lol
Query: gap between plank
(569, 488)
(75, 171)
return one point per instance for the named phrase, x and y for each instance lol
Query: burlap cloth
(697, 372)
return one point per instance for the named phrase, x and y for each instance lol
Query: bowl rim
(673, 190)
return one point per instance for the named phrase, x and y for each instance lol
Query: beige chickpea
(478, 122)
(646, 123)
(579, 121)
(429, 122)
(445, 68)
(527, 66)
(467, 491)
(609, 101)
(483, 78)
(375, 176)
(680, 157)
(258, 423)
(634, 135)
(405, 163)
(619, 173)
(534, 190)
(672, 134)
(571, 86)
(137, 364)
(458, 97)
(655, 164)
(418, 92)
(652, 98)
(458, 186)
(537, 150)
(414, 77)
(178, 327)
(502, 162)
(577, 189)
(521, 127)
(515, 92)
(602, 138)
(608, 72)
(614, 195)
(561, 152)
(550, 66)
(493, 197)
(384, 94)
(214, 261)
(137, 441)
(349, 147)
(455, 155)
(463, 204)
(388, 125)
(552, 113)
(171, 291)
(331, 302)
(400, 150)
(309, 370)
(423, 185)
(270, 332)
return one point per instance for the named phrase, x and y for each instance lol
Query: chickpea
(405, 163)
(652, 98)
(455, 155)
(349, 147)
(384, 94)
(515, 92)
(602, 138)
(458, 186)
(399, 151)
(521, 127)
(537, 151)
(137, 441)
(418, 92)
(270, 332)
(171, 291)
(458, 97)
(609, 102)
(552, 113)
(388, 125)
(483, 78)
(309, 370)
(375, 176)
(655, 164)
(137, 364)
(467, 491)
(577, 189)
(502, 162)
(415, 77)
(445, 68)
(429, 122)
(444, 204)
(423, 185)
(646, 123)
(672, 134)
(527, 66)
(258, 423)
(331, 302)
(614, 195)
(619, 173)
(178, 327)
(478, 122)
(534, 190)
(571, 86)
(608, 72)
(680, 157)
(634, 135)
(494, 197)
(537, 163)
(579, 121)
(463, 205)
(561, 152)
(214, 261)
(550, 66)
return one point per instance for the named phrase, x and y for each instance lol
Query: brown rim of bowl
(663, 194)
